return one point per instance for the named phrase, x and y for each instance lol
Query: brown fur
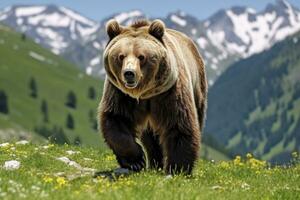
(166, 110)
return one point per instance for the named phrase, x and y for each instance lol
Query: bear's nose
(129, 75)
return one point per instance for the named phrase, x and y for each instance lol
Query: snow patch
(270, 17)
(295, 40)
(216, 38)
(84, 31)
(206, 24)
(214, 66)
(89, 70)
(290, 12)
(95, 61)
(202, 42)
(54, 19)
(241, 25)
(49, 33)
(3, 17)
(55, 40)
(124, 16)
(96, 45)
(77, 17)
(194, 31)
(20, 21)
(178, 20)
(251, 10)
(27, 11)
(37, 56)
(234, 48)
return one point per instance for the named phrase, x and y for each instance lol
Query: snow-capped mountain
(52, 26)
(238, 32)
(223, 38)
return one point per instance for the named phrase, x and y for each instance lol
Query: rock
(70, 152)
(22, 142)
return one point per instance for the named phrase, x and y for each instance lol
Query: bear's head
(137, 59)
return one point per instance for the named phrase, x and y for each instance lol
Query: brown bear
(155, 90)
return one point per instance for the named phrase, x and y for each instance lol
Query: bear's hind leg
(154, 152)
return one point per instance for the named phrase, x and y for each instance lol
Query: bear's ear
(157, 29)
(113, 28)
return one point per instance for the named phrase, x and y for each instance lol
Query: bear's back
(187, 55)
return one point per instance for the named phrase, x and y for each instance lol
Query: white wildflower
(12, 165)
(4, 144)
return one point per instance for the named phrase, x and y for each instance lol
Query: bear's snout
(129, 76)
(131, 72)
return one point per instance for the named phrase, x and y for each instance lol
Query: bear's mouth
(131, 84)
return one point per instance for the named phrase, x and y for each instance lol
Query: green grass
(55, 78)
(42, 176)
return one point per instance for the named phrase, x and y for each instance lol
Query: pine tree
(44, 110)
(93, 120)
(33, 88)
(23, 37)
(70, 122)
(3, 103)
(92, 93)
(71, 100)
(77, 141)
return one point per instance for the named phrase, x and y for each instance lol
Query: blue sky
(98, 9)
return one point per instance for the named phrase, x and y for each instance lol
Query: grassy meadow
(66, 172)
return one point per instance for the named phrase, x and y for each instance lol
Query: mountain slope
(23, 60)
(254, 105)
(52, 26)
(223, 38)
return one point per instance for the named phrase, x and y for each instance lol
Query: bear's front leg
(176, 118)
(181, 151)
(118, 133)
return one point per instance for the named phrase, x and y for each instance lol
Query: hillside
(223, 38)
(65, 172)
(21, 61)
(254, 106)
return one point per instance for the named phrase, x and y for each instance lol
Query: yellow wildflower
(238, 161)
(224, 164)
(61, 181)
(257, 164)
(109, 158)
(249, 156)
(48, 179)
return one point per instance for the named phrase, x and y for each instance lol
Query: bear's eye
(141, 57)
(121, 57)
